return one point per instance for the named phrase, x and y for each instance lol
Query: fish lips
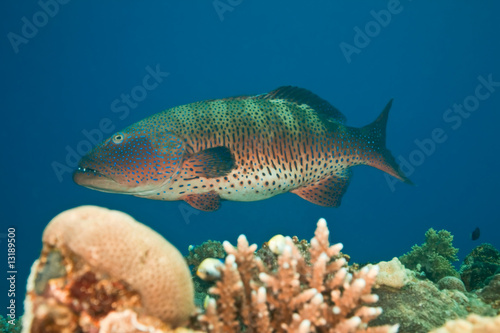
(95, 180)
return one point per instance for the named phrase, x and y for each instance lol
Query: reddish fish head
(133, 161)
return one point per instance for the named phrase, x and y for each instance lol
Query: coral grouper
(243, 148)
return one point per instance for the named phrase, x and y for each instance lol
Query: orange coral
(321, 297)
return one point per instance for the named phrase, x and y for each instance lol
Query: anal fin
(327, 192)
(207, 202)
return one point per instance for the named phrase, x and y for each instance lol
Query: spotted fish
(243, 148)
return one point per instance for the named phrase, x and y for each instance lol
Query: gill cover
(131, 161)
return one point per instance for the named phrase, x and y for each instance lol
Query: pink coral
(321, 297)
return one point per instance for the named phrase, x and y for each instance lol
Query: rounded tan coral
(114, 243)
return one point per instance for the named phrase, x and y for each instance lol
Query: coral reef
(393, 274)
(321, 297)
(491, 293)
(101, 270)
(6, 327)
(482, 263)
(208, 249)
(473, 324)
(420, 306)
(451, 283)
(434, 257)
(215, 249)
(269, 258)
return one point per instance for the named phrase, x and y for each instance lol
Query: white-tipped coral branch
(296, 297)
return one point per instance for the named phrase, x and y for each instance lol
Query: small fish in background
(243, 148)
(475, 234)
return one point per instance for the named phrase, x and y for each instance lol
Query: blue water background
(428, 57)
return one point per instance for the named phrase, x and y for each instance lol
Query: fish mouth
(95, 180)
(82, 173)
(88, 170)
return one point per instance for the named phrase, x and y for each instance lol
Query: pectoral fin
(209, 163)
(207, 202)
(327, 192)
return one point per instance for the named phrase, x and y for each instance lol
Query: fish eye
(118, 138)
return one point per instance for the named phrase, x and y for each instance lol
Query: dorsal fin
(303, 96)
(300, 96)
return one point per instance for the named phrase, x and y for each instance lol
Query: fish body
(244, 148)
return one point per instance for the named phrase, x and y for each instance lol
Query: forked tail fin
(374, 151)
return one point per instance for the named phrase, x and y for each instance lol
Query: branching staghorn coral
(321, 297)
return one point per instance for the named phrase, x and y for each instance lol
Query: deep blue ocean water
(65, 67)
